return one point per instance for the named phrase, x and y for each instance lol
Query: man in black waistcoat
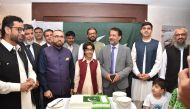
(175, 59)
(17, 77)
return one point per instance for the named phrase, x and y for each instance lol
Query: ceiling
(160, 3)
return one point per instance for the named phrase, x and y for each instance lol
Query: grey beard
(184, 45)
(29, 42)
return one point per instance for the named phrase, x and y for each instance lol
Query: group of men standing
(31, 71)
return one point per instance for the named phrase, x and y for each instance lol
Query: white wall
(159, 16)
(23, 10)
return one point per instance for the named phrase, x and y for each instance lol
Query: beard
(14, 39)
(180, 45)
(113, 42)
(58, 44)
(29, 42)
(92, 38)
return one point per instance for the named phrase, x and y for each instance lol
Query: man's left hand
(117, 78)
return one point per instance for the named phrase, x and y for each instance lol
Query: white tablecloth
(113, 104)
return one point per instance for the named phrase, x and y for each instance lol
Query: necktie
(112, 61)
(30, 56)
(13, 51)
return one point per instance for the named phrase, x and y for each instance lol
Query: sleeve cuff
(16, 87)
(151, 75)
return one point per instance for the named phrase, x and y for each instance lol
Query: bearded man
(56, 69)
(92, 35)
(175, 59)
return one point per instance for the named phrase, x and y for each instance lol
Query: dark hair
(37, 28)
(47, 30)
(146, 23)
(117, 29)
(91, 28)
(160, 82)
(8, 21)
(28, 26)
(70, 33)
(87, 44)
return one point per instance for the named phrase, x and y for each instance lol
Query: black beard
(91, 40)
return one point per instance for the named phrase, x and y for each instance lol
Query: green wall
(131, 31)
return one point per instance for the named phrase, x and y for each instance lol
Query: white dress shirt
(70, 47)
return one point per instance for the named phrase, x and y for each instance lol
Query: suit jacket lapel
(23, 57)
(109, 55)
(118, 56)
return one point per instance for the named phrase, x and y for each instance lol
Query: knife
(57, 102)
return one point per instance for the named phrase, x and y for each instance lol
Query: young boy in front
(156, 99)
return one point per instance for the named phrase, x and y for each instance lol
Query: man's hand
(140, 76)
(184, 88)
(117, 78)
(108, 77)
(32, 82)
(145, 77)
(48, 94)
(26, 86)
(72, 92)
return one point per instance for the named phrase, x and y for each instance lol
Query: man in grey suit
(116, 64)
(71, 45)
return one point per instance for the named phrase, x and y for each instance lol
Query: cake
(89, 102)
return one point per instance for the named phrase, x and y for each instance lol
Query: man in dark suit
(33, 48)
(16, 74)
(116, 64)
(56, 69)
(32, 51)
(71, 45)
(48, 34)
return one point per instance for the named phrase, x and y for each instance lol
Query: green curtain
(131, 31)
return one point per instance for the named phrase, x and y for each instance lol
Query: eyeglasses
(57, 36)
(19, 29)
(182, 34)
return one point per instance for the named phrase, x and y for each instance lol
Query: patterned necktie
(112, 61)
(13, 51)
(30, 56)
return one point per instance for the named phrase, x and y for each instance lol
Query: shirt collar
(84, 59)
(7, 45)
(116, 46)
(148, 40)
(48, 44)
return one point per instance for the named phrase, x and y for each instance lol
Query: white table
(113, 104)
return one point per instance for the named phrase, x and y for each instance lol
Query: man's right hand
(48, 94)
(25, 87)
(108, 77)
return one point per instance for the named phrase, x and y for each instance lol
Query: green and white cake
(89, 102)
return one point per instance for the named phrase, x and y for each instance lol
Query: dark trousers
(37, 93)
(112, 88)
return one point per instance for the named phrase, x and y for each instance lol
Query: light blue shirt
(115, 56)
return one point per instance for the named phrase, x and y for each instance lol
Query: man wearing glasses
(17, 77)
(175, 59)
